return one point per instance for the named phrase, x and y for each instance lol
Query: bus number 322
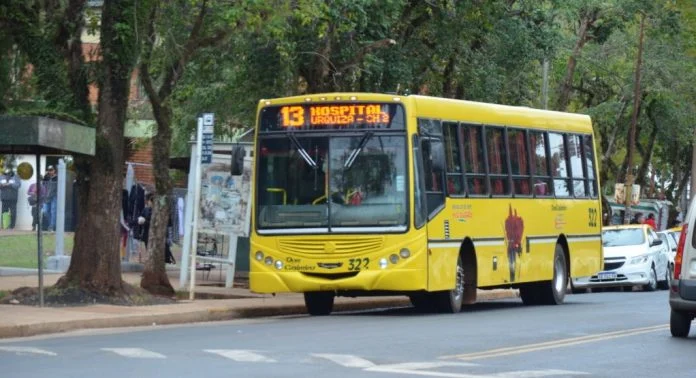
(358, 264)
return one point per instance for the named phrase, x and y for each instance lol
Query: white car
(633, 255)
(668, 239)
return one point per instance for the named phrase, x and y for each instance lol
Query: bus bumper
(397, 280)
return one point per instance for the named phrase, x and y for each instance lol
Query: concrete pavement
(234, 303)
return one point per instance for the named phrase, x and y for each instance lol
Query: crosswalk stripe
(240, 355)
(347, 360)
(29, 350)
(134, 352)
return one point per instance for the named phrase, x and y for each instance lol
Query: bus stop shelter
(32, 135)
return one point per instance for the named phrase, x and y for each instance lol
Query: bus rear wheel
(319, 303)
(548, 292)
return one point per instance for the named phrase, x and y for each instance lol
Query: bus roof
(456, 110)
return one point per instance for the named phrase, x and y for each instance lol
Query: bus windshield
(332, 183)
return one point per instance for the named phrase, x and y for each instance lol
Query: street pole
(196, 207)
(39, 238)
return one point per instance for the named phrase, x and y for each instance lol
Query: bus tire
(319, 303)
(548, 292)
(450, 301)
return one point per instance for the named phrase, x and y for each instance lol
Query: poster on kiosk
(222, 191)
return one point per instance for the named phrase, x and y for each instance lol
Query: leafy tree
(49, 34)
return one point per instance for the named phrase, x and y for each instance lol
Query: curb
(212, 314)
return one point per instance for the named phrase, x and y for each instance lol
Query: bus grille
(335, 247)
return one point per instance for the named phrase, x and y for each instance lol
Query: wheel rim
(458, 290)
(653, 278)
(558, 275)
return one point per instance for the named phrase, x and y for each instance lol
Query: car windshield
(623, 237)
(341, 182)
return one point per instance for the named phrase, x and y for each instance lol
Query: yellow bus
(378, 194)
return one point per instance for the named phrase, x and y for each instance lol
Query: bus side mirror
(237, 161)
(437, 154)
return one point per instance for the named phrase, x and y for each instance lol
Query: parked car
(682, 294)
(668, 239)
(633, 255)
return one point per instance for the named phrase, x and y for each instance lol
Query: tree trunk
(155, 279)
(634, 122)
(567, 83)
(95, 264)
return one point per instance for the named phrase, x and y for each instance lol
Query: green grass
(20, 251)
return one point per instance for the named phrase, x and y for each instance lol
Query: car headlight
(639, 259)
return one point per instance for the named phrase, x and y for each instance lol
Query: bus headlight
(279, 265)
(268, 260)
(394, 258)
(383, 263)
(404, 253)
(258, 256)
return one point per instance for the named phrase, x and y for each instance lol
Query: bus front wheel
(319, 303)
(450, 301)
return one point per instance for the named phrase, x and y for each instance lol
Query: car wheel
(652, 285)
(664, 285)
(319, 303)
(679, 324)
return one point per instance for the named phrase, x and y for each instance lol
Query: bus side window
(474, 158)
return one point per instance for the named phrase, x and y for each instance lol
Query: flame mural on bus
(514, 228)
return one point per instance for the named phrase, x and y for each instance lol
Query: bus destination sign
(337, 115)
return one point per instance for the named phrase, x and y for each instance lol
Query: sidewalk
(20, 320)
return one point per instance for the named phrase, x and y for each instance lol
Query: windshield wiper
(354, 154)
(302, 151)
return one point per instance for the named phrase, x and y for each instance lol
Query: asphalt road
(611, 334)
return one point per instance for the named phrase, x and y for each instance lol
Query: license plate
(606, 275)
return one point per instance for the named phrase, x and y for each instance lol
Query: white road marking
(240, 355)
(416, 368)
(555, 343)
(347, 360)
(536, 373)
(26, 350)
(134, 352)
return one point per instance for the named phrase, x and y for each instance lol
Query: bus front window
(367, 181)
(292, 182)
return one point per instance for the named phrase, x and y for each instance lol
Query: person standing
(51, 203)
(9, 187)
(651, 221)
(34, 202)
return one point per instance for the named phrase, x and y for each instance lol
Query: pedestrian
(50, 182)
(651, 221)
(35, 204)
(639, 218)
(144, 223)
(9, 187)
